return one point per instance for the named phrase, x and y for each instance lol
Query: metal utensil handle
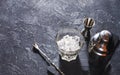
(47, 58)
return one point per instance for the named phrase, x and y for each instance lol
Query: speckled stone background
(24, 21)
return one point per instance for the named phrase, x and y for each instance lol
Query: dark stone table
(22, 22)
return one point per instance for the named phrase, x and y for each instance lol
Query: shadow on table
(72, 68)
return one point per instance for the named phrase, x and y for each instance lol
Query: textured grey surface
(24, 21)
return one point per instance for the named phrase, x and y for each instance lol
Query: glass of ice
(69, 42)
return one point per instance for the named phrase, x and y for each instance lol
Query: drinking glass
(69, 42)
